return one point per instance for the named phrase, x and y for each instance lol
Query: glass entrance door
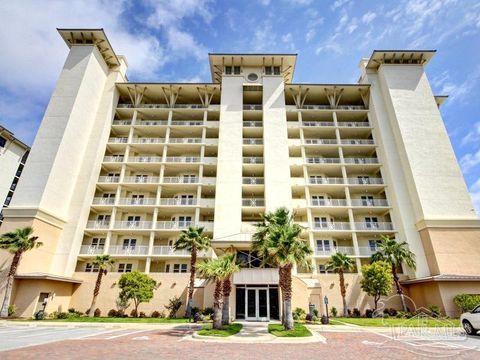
(251, 304)
(257, 304)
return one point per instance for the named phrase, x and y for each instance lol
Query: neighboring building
(13, 154)
(120, 168)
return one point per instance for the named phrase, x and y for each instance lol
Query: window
(89, 267)
(276, 70)
(137, 199)
(318, 200)
(189, 179)
(108, 198)
(185, 199)
(316, 179)
(141, 178)
(367, 200)
(268, 70)
(129, 244)
(179, 268)
(124, 268)
(133, 221)
(252, 77)
(236, 70)
(320, 222)
(228, 70)
(371, 222)
(167, 268)
(184, 221)
(322, 269)
(98, 242)
(103, 219)
(325, 245)
(3, 142)
(373, 245)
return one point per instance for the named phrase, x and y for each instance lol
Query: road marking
(48, 333)
(100, 333)
(130, 333)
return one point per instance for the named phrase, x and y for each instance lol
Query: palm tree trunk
(343, 292)
(8, 288)
(217, 306)
(399, 287)
(96, 291)
(286, 285)
(227, 289)
(281, 271)
(193, 270)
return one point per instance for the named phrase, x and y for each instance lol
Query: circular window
(252, 77)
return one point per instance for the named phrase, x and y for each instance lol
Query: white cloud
(475, 194)
(310, 35)
(338, 4)
(470, 161)
(265, 2)
(368, 17)
(183, 44)
(170, 12)
(457, 92)
(473, 135)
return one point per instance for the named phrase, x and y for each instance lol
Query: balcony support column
(148, 263)
(108, 238)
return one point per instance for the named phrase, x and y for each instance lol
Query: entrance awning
(256, 276)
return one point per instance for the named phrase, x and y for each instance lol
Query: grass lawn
(395, 322)
(227, 330)
(299, 330)
(119, 320)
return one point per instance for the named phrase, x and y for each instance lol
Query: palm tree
(211, 270)
(341, 263)
(16, 242)
(193, 241)
(277, 241)
(395, 253)
(103, 262)
(229, 267)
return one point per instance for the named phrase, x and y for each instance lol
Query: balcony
(165, 250)
(98, 224)
(370, 202)
(122, 122)
(173, 225)
(151, 123)
(361, 161)
(187, 123)
(252, 141)
(182, 159)
(253, 202)
(103, 201)
(253, 181)
(109, 179)
(320, 142)
(328, 202)
(326, 181)
(180, 180)
(128, 250)
(374, 226)
(118, 140)
(91, 249)
(366, 250)
(255, 124)
(347, 250)
(137, 201)
(318, 123)
(161, 106)
(316, 107)
(255, 107)
(185, 140)
(115, 158)
(318, 160)
(133, 225)
(331, 226)
(141, 179)
(145, 159)
(365, 181)
(253, 160)
(357, 142)
(178, 202)
(355, 124)
(147, 140)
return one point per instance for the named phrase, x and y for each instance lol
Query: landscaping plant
(341, 263)
(104, 262)
(136, 286)
(376, 280)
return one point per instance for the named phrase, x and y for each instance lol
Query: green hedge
(466, 302)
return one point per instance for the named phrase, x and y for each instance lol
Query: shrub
(369, 313)
(315, 318)
(60, 315)
(334, 311)
(295, 317)
(435, 310)
(196, 310)
(324, 320)
(11, 310)
(308, 317)
(356, 312)
(112, 313)
(133, 313)
(142, 314)
(300, 313)
(71, 310)
(404, 315)
(392, 312)
(173, 306)
(197, 317)
(208, 311)
(349, 312)
(466, 302)
(315, 312)
(155, 314)
(97, 312)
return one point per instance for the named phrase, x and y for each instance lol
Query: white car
(471, 321)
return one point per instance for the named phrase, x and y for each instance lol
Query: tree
(16, 242)
(376, 280)
(341, 263)
(211, 270)
(228, 268)
(193, 241)
(395, 254)
(277, 241)
(103, 262)
(136, 286)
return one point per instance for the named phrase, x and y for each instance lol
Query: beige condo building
(121, 168)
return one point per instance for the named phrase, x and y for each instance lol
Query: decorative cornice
(449, 223)
(34, 213)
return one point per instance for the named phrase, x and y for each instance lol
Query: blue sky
(169, 41)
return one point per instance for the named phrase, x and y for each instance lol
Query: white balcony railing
(253, 202)
(358, 124)
(115, 158)
(151, 123)
(253, 107)
(128, 250)
(328, 251)
(319, 160)
(374, 226)
(361, 160)
(167, 225)
(357, 142)
(98, 224)
(187, 123)
(316, 107)
(185, 140)
(328, 202)
(166, 250)
(253, 181)
(91, 249)
(137, 201)
(145, 159)
(253, 160)
(365, 181)
(331, 226)
(318, 123)
(252, 141)
(351, 107)
(122, 122)
(328, 181)
(109, 179)
(320, 142)
(252, 124)
(366, 250)
(369, 202)
(180, 180)
(133, 225)
(141, 179)
(147, 140)
(161, 106)
(178, 202)
(118, 140)
(103, 201)
(182, 159)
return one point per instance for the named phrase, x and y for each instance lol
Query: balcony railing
(369, 202)
(162, 106)
(331, 226)
(359, 124)
(91, 249)
(118, 140)
(151, 123)
(180, 180)
(187, 123)
(115, 158)
(253, 160)
(328, 181)
(351, 107)
(373, 226)
(170, 251)
(137, 225)
(98, 224)
(185, 140)
(251, 141)
(167, 225)
(318, 123)
(122, 122)
(320, 141)
(252, 124)
(357, 142)
(253, 107)
(141, 179)
(128, 250)
(253, 202)
(253, 181)
(366, 250)
(103, 201)
(327, 251)
(178, 202)
(329, 202)
(361, 160)
(148, 141)
(145, 159)
(365, 181)
(182, 159)
(318, 160)
(136, 201)
(109, 179)
(316, 107)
